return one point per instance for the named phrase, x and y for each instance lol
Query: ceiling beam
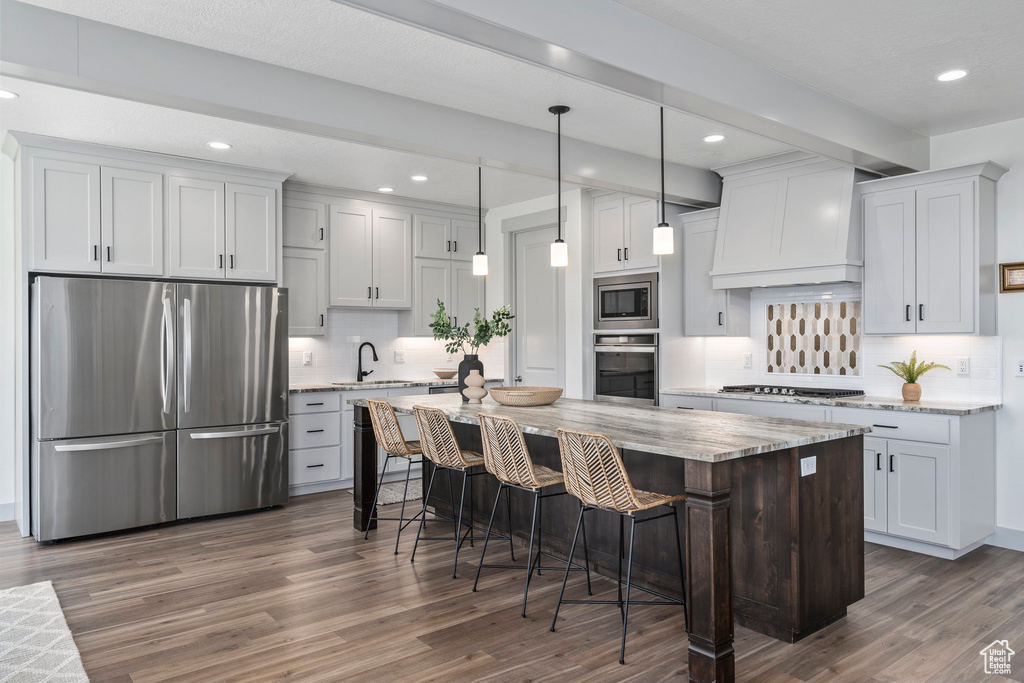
(607, 44)
(63, 50)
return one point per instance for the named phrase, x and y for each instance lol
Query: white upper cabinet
(930, 260)
(305, 276)
(305, 223)
(132, 221)
(467, 293)
(392, 259)
(250, 237)
(641, 217)
(444, 238)
(196, 227)
(465, 239)
(708, 312)
(624, 233)
(65, 216)
(609, 240)
(370, 256)
(433, 278)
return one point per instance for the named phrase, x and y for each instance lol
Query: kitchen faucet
(360, 373)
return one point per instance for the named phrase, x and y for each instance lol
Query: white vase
(474, 387)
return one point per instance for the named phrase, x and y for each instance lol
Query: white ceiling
(336, 41)
(44, 110)
(880, 55)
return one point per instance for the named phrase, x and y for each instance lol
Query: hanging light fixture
(559, 249)
(663, 239)
(480, 258)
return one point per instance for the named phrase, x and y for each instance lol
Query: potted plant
(909, 372)
(474, 334)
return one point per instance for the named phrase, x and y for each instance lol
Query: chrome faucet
(360, 373)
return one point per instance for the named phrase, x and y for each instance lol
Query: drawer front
(888, 424)
(314, 402)
(315, 430)
(687, 402)
(791, 411)
(314, 464)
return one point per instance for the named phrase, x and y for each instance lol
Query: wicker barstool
(594, 473)
(390, 438)
(442, 449)
(508, 459)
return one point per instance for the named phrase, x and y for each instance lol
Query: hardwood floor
(295, 593)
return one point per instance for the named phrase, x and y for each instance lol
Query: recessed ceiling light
(8, 95)
(419, 178)
(385, 189)
(954, 75)
(218, 145)
(714, 138)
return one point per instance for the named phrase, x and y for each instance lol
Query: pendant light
(663, 240)
(559, 249)
(480, 258)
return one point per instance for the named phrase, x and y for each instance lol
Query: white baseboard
(1004, 537)
(6, 512)
(944, 552)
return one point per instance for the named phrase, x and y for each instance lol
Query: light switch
(307, 357)
(808, 465)
(747, 362)
(1019, 367)
(399, 355)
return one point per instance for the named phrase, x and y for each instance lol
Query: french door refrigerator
(155, 401)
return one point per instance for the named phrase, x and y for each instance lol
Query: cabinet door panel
(704, 308)
(351, 257)
(392, 259)
(918, 491)
(433, 280)
(196, 228)
(132, 210)
(305, 276)
(876, 462)
(641, 216)
(433, 237)
(465, 239)
(251, 232)
(749, 224)
(304, 223)
(608, 235)
(467, 292)
(65, 216)
(890, 295)
(945, 256)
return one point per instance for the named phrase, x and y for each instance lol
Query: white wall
(1002, 143)
(9, 330)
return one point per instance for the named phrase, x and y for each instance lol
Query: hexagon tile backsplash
(820, 338)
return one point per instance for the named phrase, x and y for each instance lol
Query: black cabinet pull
(618, 254)
(321, 320)
(449, 247)
(456, 318)
(313, 431)
(220, 261)
(892, 464)
(95, 252)
(108, 254)
(378, 293)
(310, 467)
(369, 292)
(626, 250)
(920, 311)
(684, 408)
(719, 318)
(321, 234)
(878, 461)
(315, 404)
(908, 313)
(232, 261)
(456, 245)
(886, 426)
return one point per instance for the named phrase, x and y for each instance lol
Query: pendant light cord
(662, 164)
(480, 208)
(559, 176)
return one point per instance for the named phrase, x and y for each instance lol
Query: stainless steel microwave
(626, 302)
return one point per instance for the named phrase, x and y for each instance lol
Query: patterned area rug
(392, 492)
(35, 641)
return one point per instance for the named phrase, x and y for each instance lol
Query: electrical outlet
(399, 355)
(307, 357)
(808, 465)
(1019, 367)
(963, 366)
(747, 360)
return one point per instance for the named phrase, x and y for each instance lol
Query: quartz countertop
(872, 402)
(366, 385)
(694, 435)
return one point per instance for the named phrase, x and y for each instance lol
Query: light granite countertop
(872, 402)
(312, 387)
(694, 435)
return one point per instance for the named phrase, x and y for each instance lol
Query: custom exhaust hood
(788, 219)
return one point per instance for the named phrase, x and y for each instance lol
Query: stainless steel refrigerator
(155, 401)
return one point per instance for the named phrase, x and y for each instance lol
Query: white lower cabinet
(314, 438)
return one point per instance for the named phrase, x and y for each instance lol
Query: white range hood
(788, 219)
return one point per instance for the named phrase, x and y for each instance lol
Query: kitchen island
(766, 539)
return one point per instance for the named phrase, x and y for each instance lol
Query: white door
(704, 308)
(251, 232)
(350, 255)
(641, 217)
(465, 239)
(432, 237)
(467, 292)
(195, 228)
(608, 235)
(433, 282)
(890, 256)
(392, 259)
(132, 222)
(918, 491)
(65, 216)
(538, 330)
(305, 276)
(945, 258)
(304, 223)
(876, 464)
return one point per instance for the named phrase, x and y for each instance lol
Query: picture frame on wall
(1011, 277)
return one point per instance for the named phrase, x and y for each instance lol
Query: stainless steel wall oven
(626, 368)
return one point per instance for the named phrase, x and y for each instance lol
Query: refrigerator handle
(186, 386)
(107, 445)
(167, 355)
(231, 435)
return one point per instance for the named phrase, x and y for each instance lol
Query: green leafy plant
(911, 371)
(476, 333)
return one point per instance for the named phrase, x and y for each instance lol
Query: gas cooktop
(808, 392)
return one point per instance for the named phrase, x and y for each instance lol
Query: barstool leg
(565, 578)
(586, 553)
(487, 536)
(423, 515)
(682, 568)
(629, 577)
(540, 531)
(529, 557)
(464, 475)
(508, 519)
(373, 510)
(401, 515)
(622, 553)
(458, 525)
(451, 496)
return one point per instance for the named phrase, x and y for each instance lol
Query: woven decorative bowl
(525, 396)
(445, 373)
